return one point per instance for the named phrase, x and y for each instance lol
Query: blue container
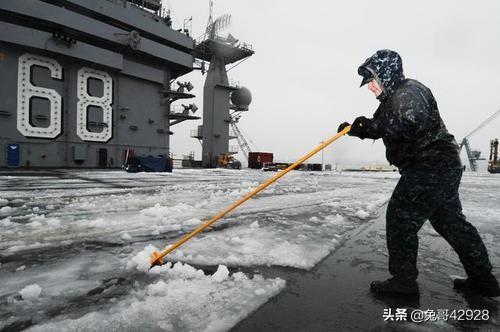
(13, 155)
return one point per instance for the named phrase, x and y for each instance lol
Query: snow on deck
(73, 235)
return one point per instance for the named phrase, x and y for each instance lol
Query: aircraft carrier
(85, 81)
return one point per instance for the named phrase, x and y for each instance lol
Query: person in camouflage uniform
(427, 155)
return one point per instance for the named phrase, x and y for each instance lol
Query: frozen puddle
(182, 299)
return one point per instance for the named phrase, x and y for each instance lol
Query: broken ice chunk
(31, 292)
(126, 236)
(221, 274)
(260, 292)
(255, 224)
(362, 214)
(141, 261)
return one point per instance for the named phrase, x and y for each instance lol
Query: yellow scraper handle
(157, 257)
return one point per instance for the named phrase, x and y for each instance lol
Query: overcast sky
(304, 79)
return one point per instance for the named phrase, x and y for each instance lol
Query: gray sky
(304, 79)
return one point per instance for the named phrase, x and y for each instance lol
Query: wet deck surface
(335, 295)
(81, 265)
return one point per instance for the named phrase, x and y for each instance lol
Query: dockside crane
(472, 155)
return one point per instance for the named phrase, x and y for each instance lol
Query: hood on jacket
(386, 67)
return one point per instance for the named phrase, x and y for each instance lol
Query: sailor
(427, 156)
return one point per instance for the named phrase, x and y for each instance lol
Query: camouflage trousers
(431, 195)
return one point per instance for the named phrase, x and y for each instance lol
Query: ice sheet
(184, 299)
(169, 207)
(75, 237)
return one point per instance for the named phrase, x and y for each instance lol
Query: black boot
(395, 286)
(485, 285)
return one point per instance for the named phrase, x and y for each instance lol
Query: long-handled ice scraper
(157, 257)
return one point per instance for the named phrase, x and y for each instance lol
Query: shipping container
(256, 160)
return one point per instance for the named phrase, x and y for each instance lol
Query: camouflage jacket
(407, 119)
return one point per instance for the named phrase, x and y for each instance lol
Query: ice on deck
(90, 228)
(183, 299)
(75, 237)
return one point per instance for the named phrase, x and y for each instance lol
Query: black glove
(342, 126)
(358, 127)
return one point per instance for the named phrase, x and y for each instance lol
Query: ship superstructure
(222, 101)
(83, 81)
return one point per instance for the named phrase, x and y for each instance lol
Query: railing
(233, 149)
(241, 45)
(176, 109)
(234, 83)
(194, 133)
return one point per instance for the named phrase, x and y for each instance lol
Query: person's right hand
(342, 126)
(359, 122)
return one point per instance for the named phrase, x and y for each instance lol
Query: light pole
(322, 157)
